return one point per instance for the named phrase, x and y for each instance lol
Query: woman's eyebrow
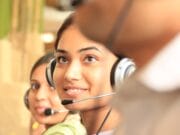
(80, 50)
(33, 80)
(89, 48)
(60, 51)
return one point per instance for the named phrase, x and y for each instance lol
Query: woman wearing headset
(41, 97)
(83, 70)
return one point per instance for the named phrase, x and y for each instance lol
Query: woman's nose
(41, 93)
(73, 71)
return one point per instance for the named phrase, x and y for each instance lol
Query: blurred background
(27, 31)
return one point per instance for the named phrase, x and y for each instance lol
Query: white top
(163, 72)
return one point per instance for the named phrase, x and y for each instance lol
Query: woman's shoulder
(73, 117)
(71, 126)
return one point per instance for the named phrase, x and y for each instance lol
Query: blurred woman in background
(41, 97)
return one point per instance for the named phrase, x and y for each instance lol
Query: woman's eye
(89, 59)
(61, 60)
(35, 86)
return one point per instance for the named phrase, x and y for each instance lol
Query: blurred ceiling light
(48, 37)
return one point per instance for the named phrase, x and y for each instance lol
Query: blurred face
(96, 18)
(82, 70)
(41, 97)
(144, 23)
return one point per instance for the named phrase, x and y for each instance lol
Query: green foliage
(5, 17)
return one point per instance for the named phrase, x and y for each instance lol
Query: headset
(26, 101)
(121, 69)
(49, 72)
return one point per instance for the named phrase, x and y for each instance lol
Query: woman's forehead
(73, 39)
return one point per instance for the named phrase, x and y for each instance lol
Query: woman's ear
(26, 100)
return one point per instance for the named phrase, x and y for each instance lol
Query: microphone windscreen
(66, 102)
(48, 112)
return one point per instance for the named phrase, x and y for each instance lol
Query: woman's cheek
(99, 77)
(57, 77)
(96, 77)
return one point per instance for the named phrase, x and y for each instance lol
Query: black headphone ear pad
(49, 72)
(26, 100)
(112, 75)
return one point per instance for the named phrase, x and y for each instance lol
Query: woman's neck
(93, 119)
(48, 126)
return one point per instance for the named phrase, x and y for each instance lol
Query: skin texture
(144, 30)
(41, 97)
(83, 70)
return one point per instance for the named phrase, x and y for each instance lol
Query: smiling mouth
(74, 92)
(40, 110)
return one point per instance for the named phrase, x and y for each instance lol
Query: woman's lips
(40, 109)
(74, 91)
